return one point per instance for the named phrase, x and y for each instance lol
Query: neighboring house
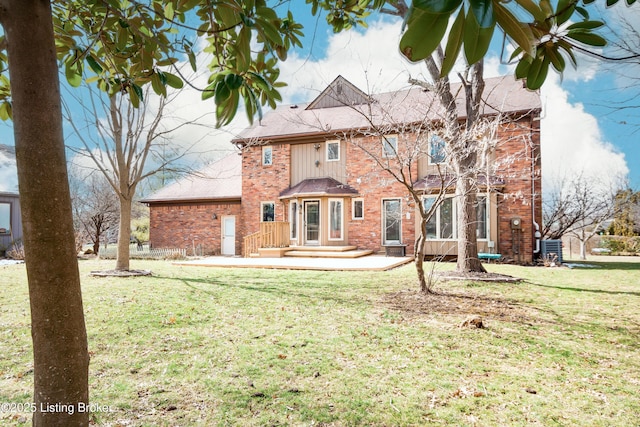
(200, 212)
(306, 180)
(10, 220)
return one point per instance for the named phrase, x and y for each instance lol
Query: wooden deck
(314, 252)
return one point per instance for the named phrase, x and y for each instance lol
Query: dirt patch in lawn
(414, 305)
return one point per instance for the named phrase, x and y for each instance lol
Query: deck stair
(327, 252)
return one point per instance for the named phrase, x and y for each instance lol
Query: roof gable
(339, 93)
(290, 123)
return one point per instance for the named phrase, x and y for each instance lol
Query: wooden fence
(111, 252)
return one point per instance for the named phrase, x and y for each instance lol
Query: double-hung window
(267, 155)
(357, 209)
(267, 211)
(333, 151)
(390, 146)
(437, 150)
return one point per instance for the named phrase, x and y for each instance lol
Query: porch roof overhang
(433, 183)
(319, 187)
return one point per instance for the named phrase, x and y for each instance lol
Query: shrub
(16, 250)
(620, 244)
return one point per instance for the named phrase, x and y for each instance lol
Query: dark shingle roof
(501, 94)
(318, 187)
(221, 180)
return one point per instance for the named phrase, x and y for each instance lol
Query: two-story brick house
(312, 175)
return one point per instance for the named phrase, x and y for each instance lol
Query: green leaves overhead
(547, 38)
(122, 45)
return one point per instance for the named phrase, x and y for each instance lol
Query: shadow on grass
(316, 292)
(594, 291)
(606, 265)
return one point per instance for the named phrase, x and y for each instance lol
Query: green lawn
(207, 346)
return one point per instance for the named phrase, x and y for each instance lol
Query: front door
(312, 222)
(228, 235)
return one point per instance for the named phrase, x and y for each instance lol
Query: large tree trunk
(61, 360)
(466, 217)
(418, 257)
(124, 234)
(463, 157)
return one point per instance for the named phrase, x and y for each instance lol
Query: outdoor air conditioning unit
(550, 248)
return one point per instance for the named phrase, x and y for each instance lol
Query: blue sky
(580, 130)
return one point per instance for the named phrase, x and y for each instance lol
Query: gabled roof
(218, 181)
(339, 93)
(317, 187)
(292, 123)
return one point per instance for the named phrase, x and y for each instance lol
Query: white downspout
(537, 233)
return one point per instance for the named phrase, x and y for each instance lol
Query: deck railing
(271, 235)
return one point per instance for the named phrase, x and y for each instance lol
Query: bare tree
(399, 159)
(461, 138)
(398, 137)
(578, 207)
(130, 144)
(95, 205)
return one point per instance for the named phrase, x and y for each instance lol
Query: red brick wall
(518, 161)
(374, 184)
(186, 226)
(517, 157)
(262, 183)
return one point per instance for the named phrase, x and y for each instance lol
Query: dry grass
(197, 346)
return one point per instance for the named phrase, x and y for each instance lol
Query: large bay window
(443, 223)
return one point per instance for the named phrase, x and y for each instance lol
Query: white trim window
(336, 213)
(391, 221)
(390, 146)
(437, 150)
(267, 212)
(293, 219)
(333, 151)
(443, 224)
(357, 208)
(267, 155)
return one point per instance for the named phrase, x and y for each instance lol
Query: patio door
(312, 222)
(391, 221)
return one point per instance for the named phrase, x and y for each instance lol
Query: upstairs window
(333, 151)
(437, 150)
(389, 146)
(267, 156)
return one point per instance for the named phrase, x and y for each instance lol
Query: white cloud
(369, 59)
(572, 143)
(8, 173)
